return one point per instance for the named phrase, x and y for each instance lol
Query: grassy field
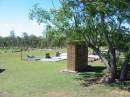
(46, 79)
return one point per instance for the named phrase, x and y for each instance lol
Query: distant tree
(1, 42)
(34, 41)
(12, 36)
(25, 40)
(18, 42)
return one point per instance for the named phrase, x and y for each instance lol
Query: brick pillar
(77, 54)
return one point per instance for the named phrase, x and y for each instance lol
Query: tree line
(30, 41)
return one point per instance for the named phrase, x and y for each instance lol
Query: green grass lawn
(44, 79)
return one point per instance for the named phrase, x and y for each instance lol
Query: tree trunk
(123, 70)
(104, 60)
(113, 64)
(98, 52)
(21, 54)
(113, 72)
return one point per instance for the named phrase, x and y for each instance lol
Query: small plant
(47, 55)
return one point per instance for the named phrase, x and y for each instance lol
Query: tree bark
(98, 52)
(113, 64)
(123, 70)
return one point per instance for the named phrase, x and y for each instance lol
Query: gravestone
(77, 54)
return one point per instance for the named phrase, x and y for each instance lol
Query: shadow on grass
(91, 76)
(121, 85)
(2, 70)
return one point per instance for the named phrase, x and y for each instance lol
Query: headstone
(57, 54)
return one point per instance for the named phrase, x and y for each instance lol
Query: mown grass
(44, 79)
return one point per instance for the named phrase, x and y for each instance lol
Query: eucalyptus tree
(96, 22)
(12, 36)
(25, 40)
(54, 38)
(1, 42)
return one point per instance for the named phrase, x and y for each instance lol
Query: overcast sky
(14, 16)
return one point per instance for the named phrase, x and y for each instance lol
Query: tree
(54, 38)
(12, 36)
(33, 41)
(25, 40)
(18, 42)
(95, 22)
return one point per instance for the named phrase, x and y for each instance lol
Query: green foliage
(89, 20)
(41, 15)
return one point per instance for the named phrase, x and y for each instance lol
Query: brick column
(77, 54)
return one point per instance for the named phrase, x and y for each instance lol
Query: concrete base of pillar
(69, 71)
